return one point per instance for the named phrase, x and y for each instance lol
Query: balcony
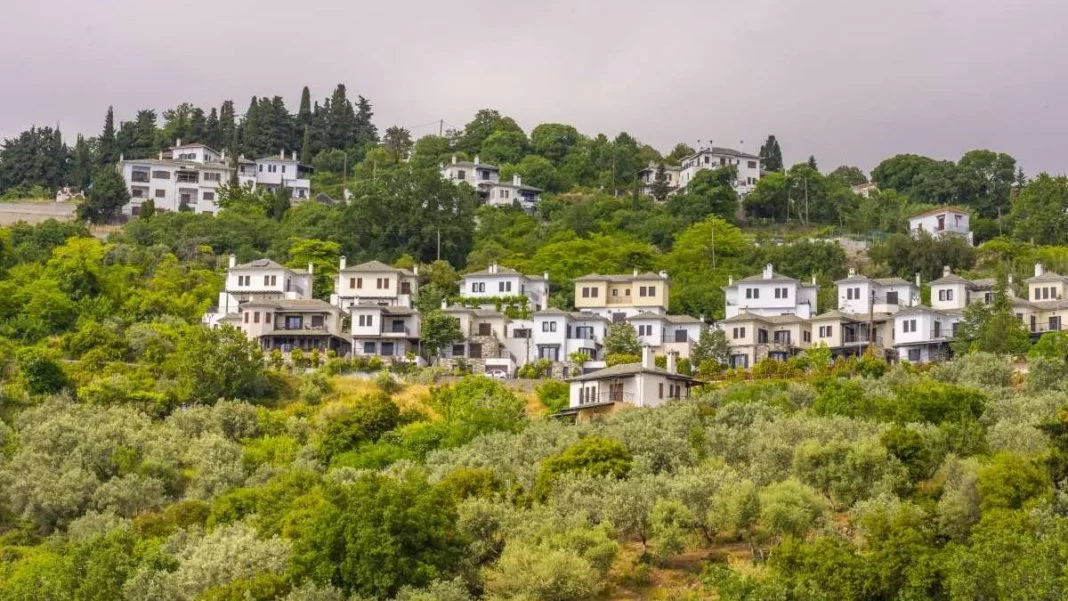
(397, 332)
(617, 396)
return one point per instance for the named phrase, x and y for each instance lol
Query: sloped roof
(628, 369)
(621, 277)
(744, 316)
(723, 151)
(375, 267)
(946, 209)
(918, 309)
(1048, 276)
(501, 270)
(295, 305)
(472, 165)
(259, 264)
(893, 282)
(775, 277)
(951, 279)
(682, 319)
(836, 314)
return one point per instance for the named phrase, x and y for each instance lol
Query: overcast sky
(850, 81)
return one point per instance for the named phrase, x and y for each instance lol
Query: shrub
(554, 395)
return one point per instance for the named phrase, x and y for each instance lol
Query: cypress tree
(108, 145)
(82, 165)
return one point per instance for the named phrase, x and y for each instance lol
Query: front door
(615, 392)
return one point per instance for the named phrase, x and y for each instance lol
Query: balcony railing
(303, 327)
(607, 397)
(395, 331)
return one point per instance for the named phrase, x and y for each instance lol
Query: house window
(261, 168)
(503, 194)
(738, 333)
(908, 325)
(661, 390)
(521, 333)
(504, 286)
(256, 317)
(1038, 294)
(748, 293)
(187, 177)
(209, 196)
(461, 174)
(368, 348)
(139, 175)
(485, 329)
(1054, 323)
(826, 331)
(651, 290)
(891, 298)
(246, 316)
(211, 177)
(615, 291)
(139, 192)
(317, 321)
(382, 283)
(294, 322)
(641, 291)
(806, 336)
(914, 355)
(752, 164)
(585, 293)
(352, 282)
(548, 326)
(387, 349)
(161, 193)
(366, 321)
(594, 292)
(161, 175)
(781, 293)
(762, 336)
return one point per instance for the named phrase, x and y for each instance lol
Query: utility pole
(441, 128)
(713, 247)
(806, 200)
(871, 323)
(439, 243)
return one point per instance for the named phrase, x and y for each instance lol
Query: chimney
(122, 157)
(282, 154)
(648, 361)
(444, 304)
(730, 280)
(516, 180)
(1010, 279)
(946, 271)
(454, 159)
(769, 269)
(161, 155)
(311, 267)
(672, 362)
(662, 273)
(415, 269)
(476, 159)
(178, 142)
(813, 280)
(1039, 270)
(635, 272)
(342, 262)
(852, 272)
(233, 261)
(294, 155)
(493, 267)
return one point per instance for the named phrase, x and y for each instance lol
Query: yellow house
(619, 297)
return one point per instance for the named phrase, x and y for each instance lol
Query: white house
(943, 221)
(472, 173)
(753, 338)
(274, 172)
(374, 282)
(747, 166)
(647, 177)
(859, 294)
(635, 384)
(189, 175)
(558, 334)
(922, 334)
(505, 194)
(771, 293)
(667, 334)
(305, 324)
(262, 279)
(387, 332)
(497, 281)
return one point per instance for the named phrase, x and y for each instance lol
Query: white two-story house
(275, 172)
(647, 177)
(667, 334)
(506, 194)
(747, 166)
(943, 221)
(376, 283)
(770, 293)
(497, 281)
(923, 334)
(860, 294)
(559, 333)
(472, 173)
(303, 324)
(607, 390)
(262, 279)
(389, 332)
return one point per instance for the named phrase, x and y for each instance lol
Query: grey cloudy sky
(851, 81)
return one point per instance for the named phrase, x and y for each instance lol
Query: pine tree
(82, 165)
(106, 197)
(305, 146)
(304, 114)
(661, 186)
(812, 162)
(145, 140)
(771, 155)
(366, 133)
(197, 125)
(108, 152)
(340, 121)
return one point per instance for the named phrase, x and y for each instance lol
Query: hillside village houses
(486, 179)
(941, 222)
(647, 177)
(747, 165)
(190, 175)
(259, 280)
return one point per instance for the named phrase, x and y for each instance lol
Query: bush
(554, 395)
(592, 455)
(368, 419)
